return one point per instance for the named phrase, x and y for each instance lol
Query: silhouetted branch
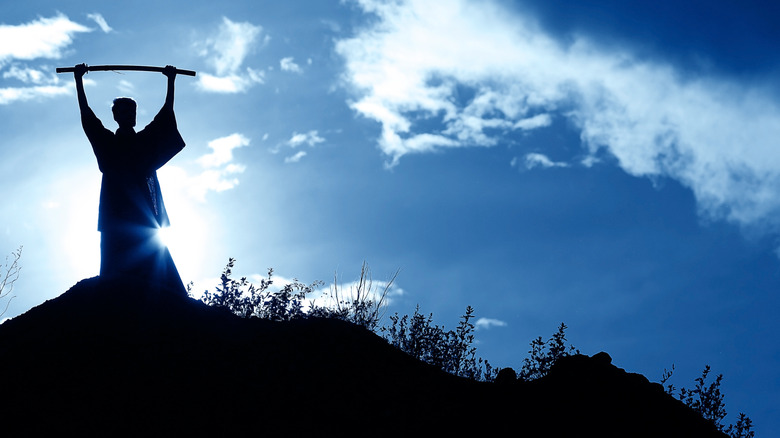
(364, 305)
(10, 276)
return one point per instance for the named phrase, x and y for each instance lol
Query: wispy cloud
(27, 75)
(100, 21)
(222, 150)
(538, 160)
(486, 323)
(9, 95)
(295, 158)
(47, 38)
(219, 172)
(226, 51)
(456, 49)
(310, 138)
(234, 83)
(288, 64)
(473, 71)
(126, 87)
(40, 38)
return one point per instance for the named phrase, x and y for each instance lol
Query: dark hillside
(114, 359)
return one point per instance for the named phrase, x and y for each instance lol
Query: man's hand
(79, 71)
(169, 71)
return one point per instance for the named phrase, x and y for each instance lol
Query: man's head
(124, 112)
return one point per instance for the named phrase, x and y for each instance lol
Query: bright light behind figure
(72, 216)
(164, 236)
(188, 236)
(184, 240)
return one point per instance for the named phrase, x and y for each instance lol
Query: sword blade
(125, 68)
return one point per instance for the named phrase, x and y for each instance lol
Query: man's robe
(130, 192)
(131, 205)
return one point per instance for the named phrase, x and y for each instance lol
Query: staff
(125, 67)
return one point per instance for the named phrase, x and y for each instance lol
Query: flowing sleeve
(162, 138)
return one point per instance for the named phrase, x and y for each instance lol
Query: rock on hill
(116, 359)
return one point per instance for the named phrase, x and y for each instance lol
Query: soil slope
(114, 359)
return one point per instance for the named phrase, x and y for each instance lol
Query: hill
(118, 359)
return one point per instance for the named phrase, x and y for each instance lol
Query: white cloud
(288, 64)
(222, 150)
(478, 71)
(101, 22)
(369, 289)
(126, 87)
(295, 158)
(455, 46)
(10, 95)
(218, 171)
(28, 75)
(310, 138)
(234, 83)
(41, 85)
(213, 180)
(537, 121)
(40, 38)
(226, 51)
(486, 323)
(540, 160)
(232, 44)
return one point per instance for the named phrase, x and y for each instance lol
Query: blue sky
(609, 165)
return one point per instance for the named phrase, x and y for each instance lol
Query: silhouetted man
(131, 206)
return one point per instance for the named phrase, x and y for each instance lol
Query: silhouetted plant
(418, 336)
(248, 300)
(463, 359)
(449, 350)
(707, 400)
(8, 277)
(665, 376)
(363, 305)
(743, 428)
(544, 354)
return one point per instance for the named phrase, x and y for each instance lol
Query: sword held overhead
(125, 68)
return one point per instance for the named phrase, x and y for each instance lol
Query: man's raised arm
(170, 72)
(78, 75)
(165, 140)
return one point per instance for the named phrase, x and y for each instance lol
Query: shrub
(257, 301)
(544, 354)
(363, 305)
(707, 400)
(449, 350)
